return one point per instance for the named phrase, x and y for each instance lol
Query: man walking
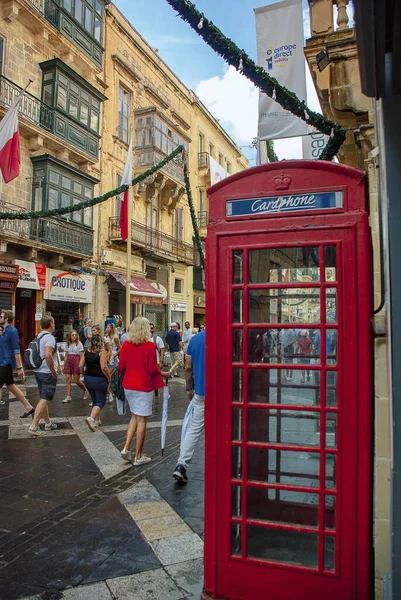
(194, 373)
(174, 342)
(45, 375)
(10, 358)
(87, 332)
(186, 335)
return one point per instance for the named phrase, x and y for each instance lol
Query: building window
(151, 131)
(201, 143)
(1, 55)
(89, 14)
(228, 169)
(123, 114)
(56, 185)
(178, 224)
(68, 92)
(200, 201)
(178, 286)
(220, 159)
(211, 150)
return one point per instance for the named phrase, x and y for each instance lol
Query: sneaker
(50, 426)
(86, 395)
(67, 399)
(90, 404)
(98, 423)
(91, 423)
(180, 474)
(35, 431)
(126, 455)
(141, 461)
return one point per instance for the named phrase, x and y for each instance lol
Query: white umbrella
(187, 420)
(166, 396)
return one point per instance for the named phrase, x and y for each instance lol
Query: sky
(229, 96)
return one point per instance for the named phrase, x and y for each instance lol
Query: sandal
(27, 414)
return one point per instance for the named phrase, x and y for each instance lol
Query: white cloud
(233, 100)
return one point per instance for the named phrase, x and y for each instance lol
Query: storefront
(199, 309)
(28, 301)
(148, 298)
(179, 313)
(67, 298)
(8, 284)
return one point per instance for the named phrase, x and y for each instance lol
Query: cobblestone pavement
(77, 522)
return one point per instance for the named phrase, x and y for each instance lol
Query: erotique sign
(68, 287)
(283, 204)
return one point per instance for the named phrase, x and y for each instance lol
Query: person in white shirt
(46, 376)
(74, 352)
(187, 334)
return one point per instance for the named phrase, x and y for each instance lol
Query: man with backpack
(43, 354)
(86, 333)
(10, 358)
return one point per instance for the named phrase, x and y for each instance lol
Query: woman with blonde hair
(111, 338)
(97, 378)
(141, 375)
(74, 352)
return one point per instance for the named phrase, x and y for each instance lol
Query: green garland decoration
(193, 216)
(239, 59)
(271, 155)
(36, 214)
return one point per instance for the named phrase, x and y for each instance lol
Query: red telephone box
(288, 426)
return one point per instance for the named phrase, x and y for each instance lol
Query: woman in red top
(304, 346)
(142, 376)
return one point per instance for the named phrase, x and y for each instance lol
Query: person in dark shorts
(10, 358)
(304, 347)
(97, 378)
(46, 376)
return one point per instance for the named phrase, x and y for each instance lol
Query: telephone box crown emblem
(282, 182)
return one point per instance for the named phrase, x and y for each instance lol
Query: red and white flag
(126, 180)
(10, 156)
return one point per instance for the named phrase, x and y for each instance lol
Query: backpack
(82, 336)
(32, 357)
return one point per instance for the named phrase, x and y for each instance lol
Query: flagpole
(128, 286)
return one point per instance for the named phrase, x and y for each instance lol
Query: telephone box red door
(288, 415)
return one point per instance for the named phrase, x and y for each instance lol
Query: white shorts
(140, 403)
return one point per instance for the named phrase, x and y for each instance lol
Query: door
(25, 306)
(289, 495)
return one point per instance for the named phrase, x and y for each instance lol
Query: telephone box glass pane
(237, 385)
(293, 427)
(273, 387)
(283, 466)
(236, 539)
(236, 502)
(287, 265)
(331, 461)
(277, 346)
(331, 305)
(331, 346)
(330, 263)
(330, 512)
(237, 462)
(329, 553)
(295, 508)
(238, 266)
(331, 430)
(282, 546)
(237, 350)
(237, 424)
(283, 304)
(237, 307)
(331, 388)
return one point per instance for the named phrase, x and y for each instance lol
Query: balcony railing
(30, 107)
(153, 241)
(55, 233)
(150, 156)
(203, 217)
(203, 160)
(49, 9)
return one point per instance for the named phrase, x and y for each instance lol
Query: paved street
(77, 522)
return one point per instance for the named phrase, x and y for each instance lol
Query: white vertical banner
(313, 144)
(280, 43)
(217, 172)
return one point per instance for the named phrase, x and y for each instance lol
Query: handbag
(116, 386)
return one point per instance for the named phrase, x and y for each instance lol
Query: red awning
(150, 291)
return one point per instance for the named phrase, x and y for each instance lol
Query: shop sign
(7, 285)
(31, 275)
(68, 287)
(179, 306)
(8, 276)
(282, 204)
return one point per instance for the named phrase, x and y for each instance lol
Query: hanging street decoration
(239, 59)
